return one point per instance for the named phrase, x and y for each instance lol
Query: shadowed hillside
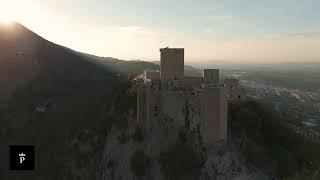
(58, 100)
(18, 57)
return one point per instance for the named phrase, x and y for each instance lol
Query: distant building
(197, 103)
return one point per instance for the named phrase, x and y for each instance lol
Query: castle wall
(211, 75)
(214, 115)
(194, 114)
(153, 107)
(172, 63)
(154, 75)
(173, 105)
(192, 82)
(223, 115)
(141, 106)
(207, 110)
(197, 103)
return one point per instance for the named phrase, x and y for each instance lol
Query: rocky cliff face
(219, 162)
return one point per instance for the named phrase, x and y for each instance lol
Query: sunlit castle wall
(172, 63)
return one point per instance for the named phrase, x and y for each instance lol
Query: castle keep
(196, 103)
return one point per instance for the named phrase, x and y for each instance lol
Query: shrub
(139, 163)
(180, 160)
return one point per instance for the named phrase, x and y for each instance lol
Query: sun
(9, 11)
(6, 19)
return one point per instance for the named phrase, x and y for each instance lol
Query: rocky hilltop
(168, 151)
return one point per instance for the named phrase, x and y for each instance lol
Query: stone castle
(196, 103)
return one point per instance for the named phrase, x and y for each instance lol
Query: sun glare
(6, 19)
(5, 14)
(11, 10)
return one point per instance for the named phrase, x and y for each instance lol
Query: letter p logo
(22, 157)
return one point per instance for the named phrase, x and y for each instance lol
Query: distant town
(302, 107)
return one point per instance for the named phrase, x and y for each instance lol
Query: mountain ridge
(51, 97)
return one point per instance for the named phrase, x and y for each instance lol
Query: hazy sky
(253, 30)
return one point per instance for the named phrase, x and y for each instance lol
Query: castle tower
(211, 75)
(171, 63)
(191, 102)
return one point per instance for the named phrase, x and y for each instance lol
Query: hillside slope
(57, 100)
(17, 44)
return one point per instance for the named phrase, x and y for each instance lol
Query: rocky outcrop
(220, 162)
